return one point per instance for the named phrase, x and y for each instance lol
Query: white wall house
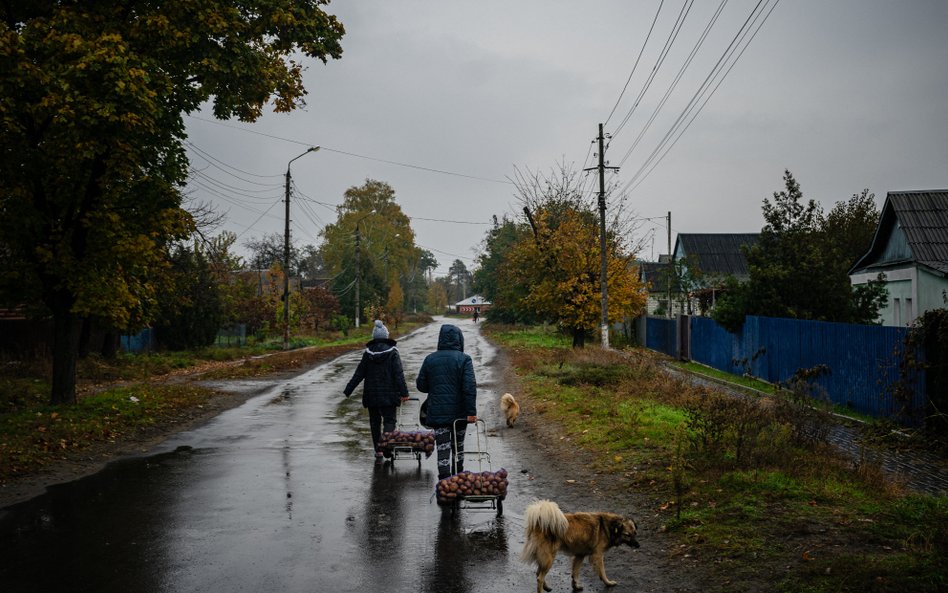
(911, 248)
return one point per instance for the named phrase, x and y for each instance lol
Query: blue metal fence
(862, 360)
(661, 335)
(140, 342)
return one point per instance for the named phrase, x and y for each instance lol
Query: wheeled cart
(481, 489)
(407, 441)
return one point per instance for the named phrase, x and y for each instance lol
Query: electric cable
(634, 66)
(356, 155)
(672, 36)
(674, 84)
(748, 25)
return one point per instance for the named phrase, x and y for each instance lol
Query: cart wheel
(500, 507)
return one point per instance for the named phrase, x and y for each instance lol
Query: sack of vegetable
(421, 441)
(465, 484)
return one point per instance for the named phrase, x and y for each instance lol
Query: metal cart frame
(404, 451)
(493, 502)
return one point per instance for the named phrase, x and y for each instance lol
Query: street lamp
(358, 265)
(286, 254)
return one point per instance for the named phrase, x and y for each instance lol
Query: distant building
(717, 256)
(911, 248)
(660, 280)
(472, 304)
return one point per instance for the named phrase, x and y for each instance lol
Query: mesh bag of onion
(421, 441)
(466, 484)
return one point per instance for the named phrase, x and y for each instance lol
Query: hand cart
(407, 441)
(483, 489)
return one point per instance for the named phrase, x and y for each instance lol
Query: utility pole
(671, 265)
(358, 274)
(358, 278)
(603, 279)
(286, 255)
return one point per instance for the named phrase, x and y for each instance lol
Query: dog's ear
(613, 527)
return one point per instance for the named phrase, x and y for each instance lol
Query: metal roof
(656, 275)
(923, 217)
(475, 299)
(718, 253)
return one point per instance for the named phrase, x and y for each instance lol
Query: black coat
(381, 367)
(447, 376)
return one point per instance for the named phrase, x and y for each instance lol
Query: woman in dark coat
(385, 388)
(447, 376)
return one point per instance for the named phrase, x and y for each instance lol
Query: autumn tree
(557, 267)
(415, 282)
(322, 306)
(371, 237)
(506, 300)
(458, 280)
(437, 296)
(92, 98)
(192, 312)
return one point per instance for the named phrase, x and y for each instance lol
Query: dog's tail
(543, 521)
(507, 401)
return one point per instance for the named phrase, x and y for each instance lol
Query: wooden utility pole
(603, 268)
(671, 265)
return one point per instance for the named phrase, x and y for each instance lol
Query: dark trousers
(382, 417)
(444, 445)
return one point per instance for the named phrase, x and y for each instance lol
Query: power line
(228, 197)
(254, 223)
(240, 190)
(731, 49)
(672, 36)
(448, 221)
(677, 79)
(634, 66)
(211, 160)
(361, 156)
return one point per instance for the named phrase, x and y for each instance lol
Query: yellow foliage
(561, 268)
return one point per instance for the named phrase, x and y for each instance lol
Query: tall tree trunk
(85, 336)
(66, 329)
(110, 344)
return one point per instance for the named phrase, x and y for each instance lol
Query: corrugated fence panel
(862, 360)
(661, 335)
(140, 342)
(713, 345)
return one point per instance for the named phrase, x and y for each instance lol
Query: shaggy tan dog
(579, 534)
(510, 408)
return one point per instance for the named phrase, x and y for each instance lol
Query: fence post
(684, 337)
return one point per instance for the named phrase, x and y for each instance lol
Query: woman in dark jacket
(385, 388)
(447, 376)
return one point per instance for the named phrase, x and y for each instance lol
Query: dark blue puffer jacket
(381, 367)
(447, 376)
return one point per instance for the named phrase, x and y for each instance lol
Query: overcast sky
(846, 94)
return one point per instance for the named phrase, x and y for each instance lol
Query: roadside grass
(749, 382)
(738, 484)
(32, 438)
(121, 398)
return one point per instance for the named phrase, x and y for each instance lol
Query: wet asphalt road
(281, 494)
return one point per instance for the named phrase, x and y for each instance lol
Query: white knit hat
(379, 332)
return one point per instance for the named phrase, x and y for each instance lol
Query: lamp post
(286, 254)
(358, 278)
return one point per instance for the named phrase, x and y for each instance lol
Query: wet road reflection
(281, 494)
